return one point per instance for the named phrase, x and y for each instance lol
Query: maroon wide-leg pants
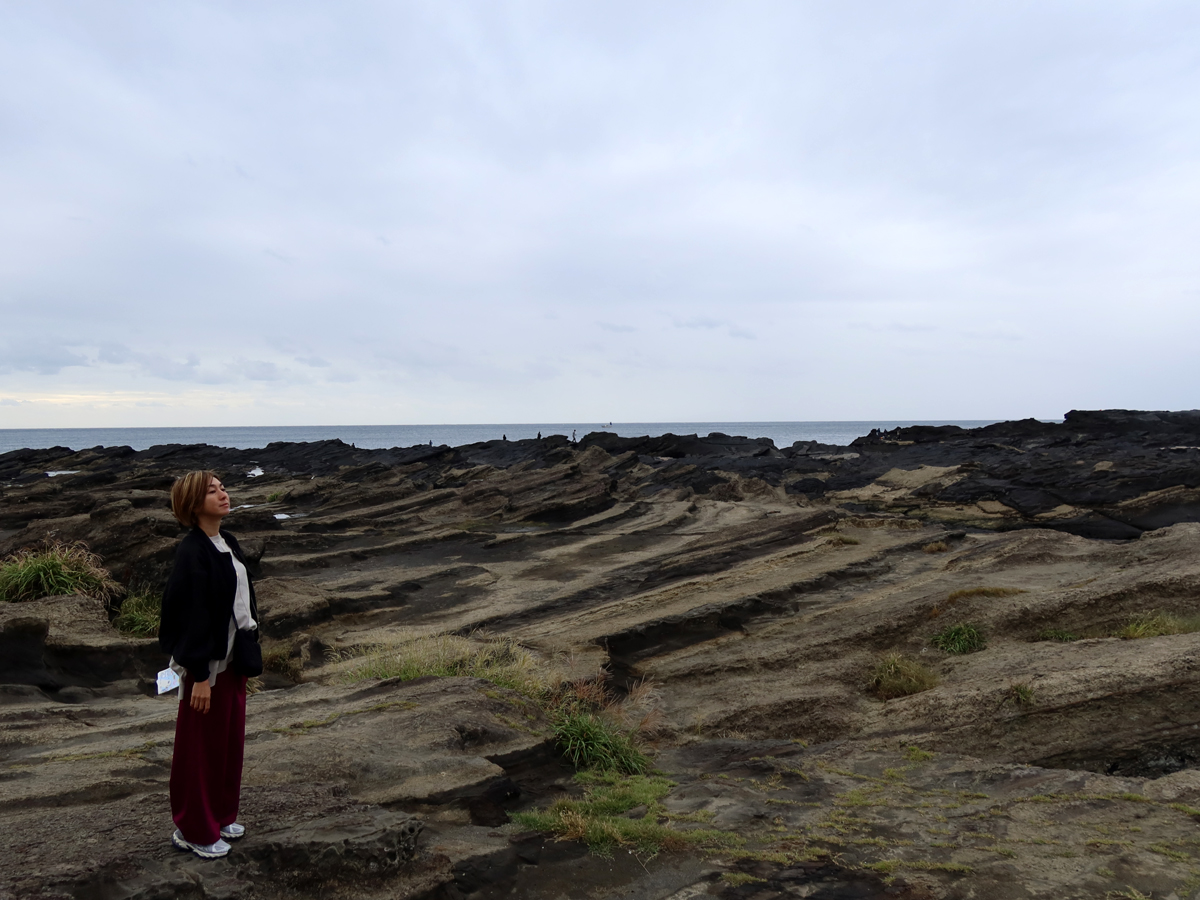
(206, 770)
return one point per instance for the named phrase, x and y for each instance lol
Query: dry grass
(841, 540)
(1157, 624)
(895, 675)
(279, 660)
(936, 547)
(595, 729)
(417, 654)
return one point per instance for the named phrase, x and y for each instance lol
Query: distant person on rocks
(573, 441)
(539, 435)
(210, 628)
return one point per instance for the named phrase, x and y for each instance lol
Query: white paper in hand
(168, 680)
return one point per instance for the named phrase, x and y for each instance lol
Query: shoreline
(399, 436)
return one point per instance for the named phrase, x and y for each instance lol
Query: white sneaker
(215, 850)
(233, 831)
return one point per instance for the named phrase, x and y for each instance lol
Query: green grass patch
(888, 866)
(736, 878)
(597, 820)
(1020, 694)
(54, 569)
(592, 727)
(1170, 853)
(589, 741)
(140, 613)
(895, 675)
(1057, 634)
(960, 638)
(913, 753)
(274, 495)
(967, 593)
(1157, 624)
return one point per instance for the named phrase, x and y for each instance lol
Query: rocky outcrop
(64, 642)
(753, 587)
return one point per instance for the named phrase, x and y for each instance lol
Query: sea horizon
(375, 437)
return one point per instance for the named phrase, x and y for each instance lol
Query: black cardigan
(198, 602)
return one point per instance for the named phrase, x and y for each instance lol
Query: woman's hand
(201, 696)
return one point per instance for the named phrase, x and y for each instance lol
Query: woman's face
(216, 501)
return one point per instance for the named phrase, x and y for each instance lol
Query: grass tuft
(589, 741)
(279, 660)
(1157, 624)
(54, 569)
(895, 675)
(1020, 694)
(936, 547)
(960, 638)
(1057, 634)
(140, 614)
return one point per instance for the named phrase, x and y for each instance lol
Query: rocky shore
(751, 590)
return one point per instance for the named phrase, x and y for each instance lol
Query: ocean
(784, 434)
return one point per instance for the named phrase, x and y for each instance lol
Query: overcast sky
(231, 213)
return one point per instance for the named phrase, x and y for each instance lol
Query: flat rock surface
(754, 588)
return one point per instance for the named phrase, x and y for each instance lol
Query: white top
(241, 617)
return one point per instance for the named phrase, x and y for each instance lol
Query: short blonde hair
(187, 496)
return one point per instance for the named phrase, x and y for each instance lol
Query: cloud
(258, 370)
(708, 324)
(699, 322)
(39, 356)
(448, 208)
(155, 364)
(894, 327)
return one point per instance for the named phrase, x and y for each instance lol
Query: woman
(209, 626)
